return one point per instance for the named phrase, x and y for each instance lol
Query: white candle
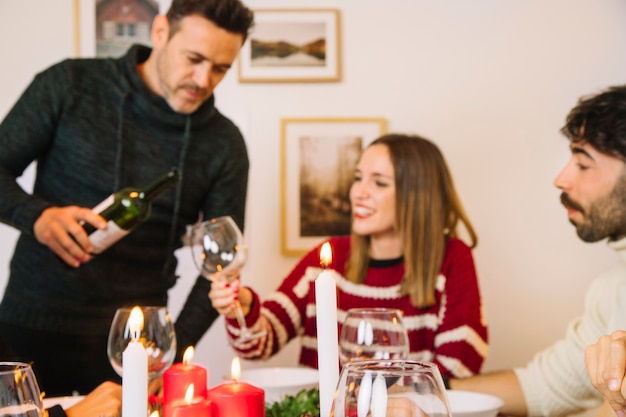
(327, 334)
(135, 370)
(365, 395)
(379, 397)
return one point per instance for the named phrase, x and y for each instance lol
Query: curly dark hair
(231, 15)
(600, 120)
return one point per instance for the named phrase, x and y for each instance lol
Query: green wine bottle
(126, 209)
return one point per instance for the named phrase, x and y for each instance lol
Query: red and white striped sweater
(452, 333)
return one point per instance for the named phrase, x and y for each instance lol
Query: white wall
(489, 80)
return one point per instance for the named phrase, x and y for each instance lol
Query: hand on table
(104, 400)
(60, 229)
(606, 365)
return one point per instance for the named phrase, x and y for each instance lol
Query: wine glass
(19, 391)
(390, 388)
(157, 336)
(372, 334)
(217, 245)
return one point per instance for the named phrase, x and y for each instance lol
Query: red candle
(197, 409)
(237, 399)
(190, 406)
(178, 378)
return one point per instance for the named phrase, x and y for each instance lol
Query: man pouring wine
(97, 126)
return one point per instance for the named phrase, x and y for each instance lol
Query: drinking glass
(157, 336)
(390, 388)
(217, 245)
(19, 391)
(371, 334)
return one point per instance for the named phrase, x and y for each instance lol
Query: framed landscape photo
(318, 158)
(292, 45)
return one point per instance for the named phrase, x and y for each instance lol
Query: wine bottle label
(104, 204)
(102, 239)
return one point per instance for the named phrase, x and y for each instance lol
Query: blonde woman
(404, 252)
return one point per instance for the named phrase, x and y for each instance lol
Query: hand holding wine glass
(217, 246)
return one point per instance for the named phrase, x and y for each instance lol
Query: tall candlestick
(365, 395)
(379, 397)
(135, 370)
(327, 333)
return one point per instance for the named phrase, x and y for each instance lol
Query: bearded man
(593, 185)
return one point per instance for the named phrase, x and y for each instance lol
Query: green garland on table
(305, 403)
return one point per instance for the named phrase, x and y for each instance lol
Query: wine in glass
(157, 336)
(373, 334)
(390, 388)
(19, 391)
(217, 245)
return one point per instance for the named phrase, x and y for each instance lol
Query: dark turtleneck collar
(385, 263)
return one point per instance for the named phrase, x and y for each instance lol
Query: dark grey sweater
(94, 127)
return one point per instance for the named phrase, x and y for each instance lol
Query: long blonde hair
(428, 211)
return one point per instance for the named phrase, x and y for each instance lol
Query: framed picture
(288, 45)
(106, 28)
(318, 158)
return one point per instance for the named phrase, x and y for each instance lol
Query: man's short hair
(600, 121)
(231, 15)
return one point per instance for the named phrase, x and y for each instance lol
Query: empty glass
(19, 391)
(158, 338)
(373, 333)
(389, 389)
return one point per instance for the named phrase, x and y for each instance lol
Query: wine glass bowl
(390, 388)
(217, 245)
(373, 334)
(19, 391)
(157, 336)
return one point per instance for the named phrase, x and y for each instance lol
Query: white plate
(65, 402)
(473, 404)
(278, 382)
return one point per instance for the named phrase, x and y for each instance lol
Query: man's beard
(169, 90)
(606, 217)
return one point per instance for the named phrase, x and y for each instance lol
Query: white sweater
(555, 382)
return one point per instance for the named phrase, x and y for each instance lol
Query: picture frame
(108, 28)
(292, 45)
(318, 158)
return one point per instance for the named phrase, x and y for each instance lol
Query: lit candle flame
(235, 369)
(155, 413)
(326, 255)
(189, 394)
(188, 355)
(135, 323)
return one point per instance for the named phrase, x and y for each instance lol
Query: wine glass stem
(241, 319)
